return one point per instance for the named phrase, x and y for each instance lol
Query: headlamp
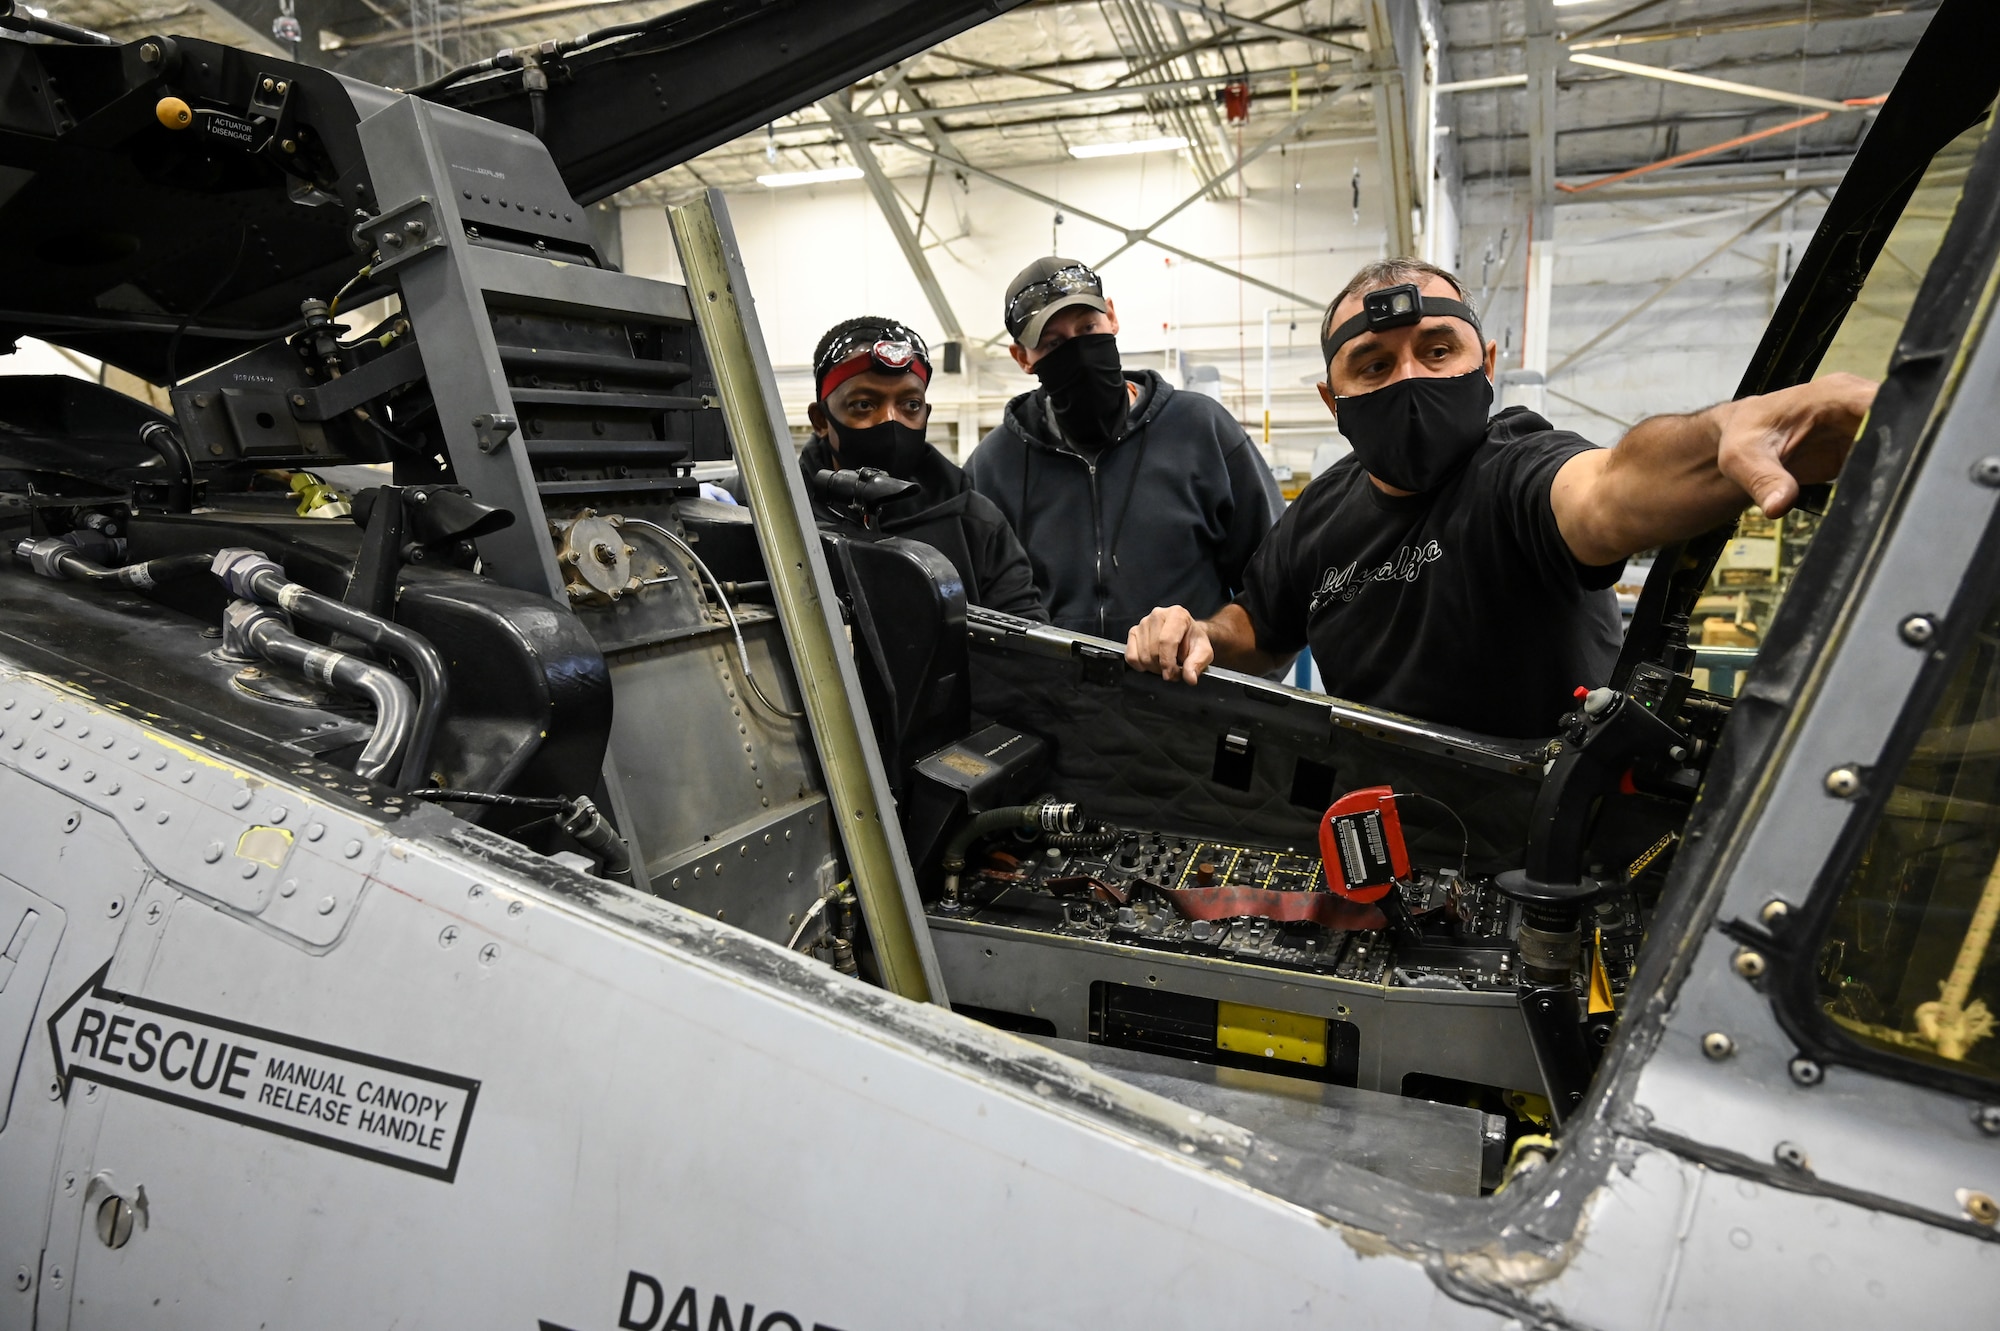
(888, 348)
(1394, 307)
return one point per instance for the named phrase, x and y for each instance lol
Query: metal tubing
(1695, 154)
(856, 782)
(248, 625)
(250, 573)
(1712, 85)
(412, 649)
(54, 557)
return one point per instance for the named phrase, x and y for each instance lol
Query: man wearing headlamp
(870, 380)
(1458, 567)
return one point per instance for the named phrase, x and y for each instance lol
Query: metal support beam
(1217, 14)
(1230, 35)
(891, 204)
(1671, 283)
(1712, 85)
(898, 81)
(1211, 116)
(1270, 141)
(1393, 141)
(1096, 220)
(1543, 55)
(856, 783)
(1481, 85)
(1264, 81)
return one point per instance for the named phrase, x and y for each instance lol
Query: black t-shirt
(1461, 605)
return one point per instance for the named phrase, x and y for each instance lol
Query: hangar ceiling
(1051, 75)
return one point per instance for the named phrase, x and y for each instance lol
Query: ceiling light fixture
(1127, 149)
(786, 179)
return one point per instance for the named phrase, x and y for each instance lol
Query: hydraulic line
(252, 629)
(164, 440)
(253, 575)
(1047, 816)
(58, 558)
(527, 58)
(579, 818)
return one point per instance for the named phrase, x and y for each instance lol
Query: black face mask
(1086, 387)
(890, 445)
(1415, 433)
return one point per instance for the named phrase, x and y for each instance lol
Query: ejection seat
(905, 607)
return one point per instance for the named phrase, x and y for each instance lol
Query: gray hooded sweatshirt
(1168, 515)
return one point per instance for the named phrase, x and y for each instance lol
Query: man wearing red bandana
(870, 379)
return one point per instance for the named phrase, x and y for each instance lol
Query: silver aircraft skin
(286, 1048)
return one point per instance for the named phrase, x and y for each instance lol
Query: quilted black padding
(1139, 751)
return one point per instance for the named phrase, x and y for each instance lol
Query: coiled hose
(1048, 816)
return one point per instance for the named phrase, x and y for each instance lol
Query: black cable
(33, 319)
(501, 61)
(507, 61)
(174, 342)
(1465, 835)
(445, 796)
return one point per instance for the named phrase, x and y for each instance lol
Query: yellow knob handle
(173, 113)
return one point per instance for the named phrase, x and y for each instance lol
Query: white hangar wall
(818, 254)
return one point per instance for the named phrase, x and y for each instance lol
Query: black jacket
(1168, 515)
(949, 517)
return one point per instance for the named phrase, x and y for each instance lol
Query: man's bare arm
(1672, 477)
(1173, 644)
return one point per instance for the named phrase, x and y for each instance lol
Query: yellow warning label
(1289, 1037)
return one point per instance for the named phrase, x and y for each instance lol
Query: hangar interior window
(1909, 963)
(1755, 571)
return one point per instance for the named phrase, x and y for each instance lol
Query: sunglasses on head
(1030, 300)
